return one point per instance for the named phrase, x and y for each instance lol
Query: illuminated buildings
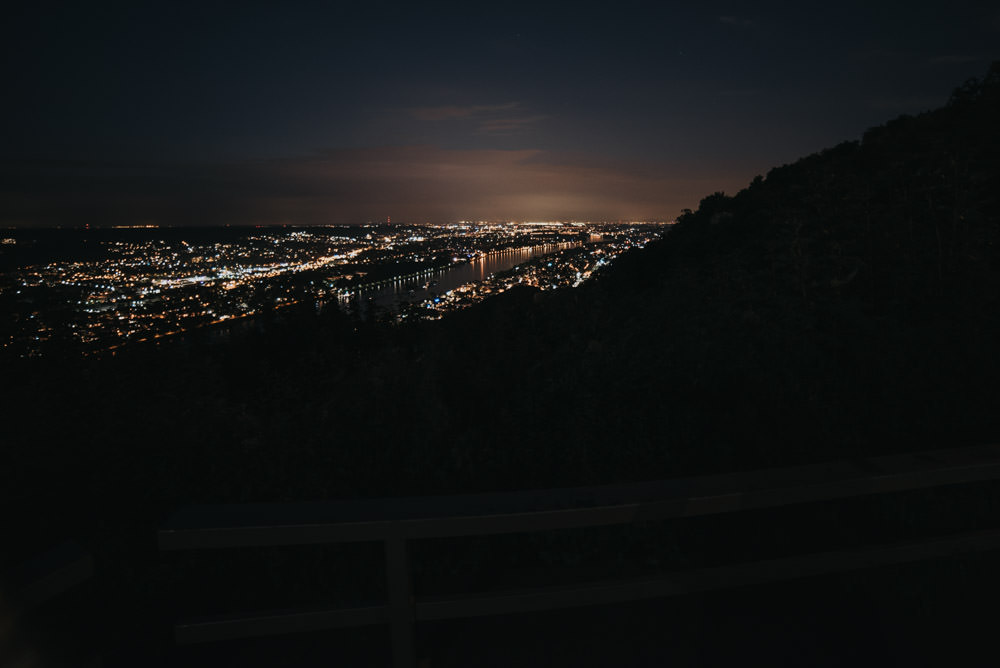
(157, 287)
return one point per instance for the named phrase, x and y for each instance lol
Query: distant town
(129, 286)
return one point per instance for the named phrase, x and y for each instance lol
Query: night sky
(253, 113)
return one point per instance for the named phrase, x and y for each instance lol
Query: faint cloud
(879, 54)
(905, 104)
(740, 92)
(458, 112)
(954, 59)
(737, 21)
(490, 119)
(501, 126)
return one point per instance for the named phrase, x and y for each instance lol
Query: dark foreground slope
(844, 305)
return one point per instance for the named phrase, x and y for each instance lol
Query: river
(426, 285)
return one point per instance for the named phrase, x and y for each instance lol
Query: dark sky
(251, 113)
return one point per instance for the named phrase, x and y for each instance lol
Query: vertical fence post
(400, 600)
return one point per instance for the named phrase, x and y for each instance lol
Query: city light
(153, 289)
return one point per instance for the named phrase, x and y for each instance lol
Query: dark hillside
(849, 301)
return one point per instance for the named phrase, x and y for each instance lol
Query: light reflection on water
(432, 283)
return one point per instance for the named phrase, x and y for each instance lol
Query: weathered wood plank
(536, 510)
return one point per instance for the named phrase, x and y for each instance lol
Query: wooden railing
(395, 522)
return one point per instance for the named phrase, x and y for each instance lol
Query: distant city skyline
(143, 286)
(174, 115)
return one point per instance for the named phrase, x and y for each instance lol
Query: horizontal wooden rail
(705, 579)
(536, 510)
(395, 521)
(279, 622)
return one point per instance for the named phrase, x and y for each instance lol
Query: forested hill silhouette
(908, 215)
(848, 301)
(844, 304)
